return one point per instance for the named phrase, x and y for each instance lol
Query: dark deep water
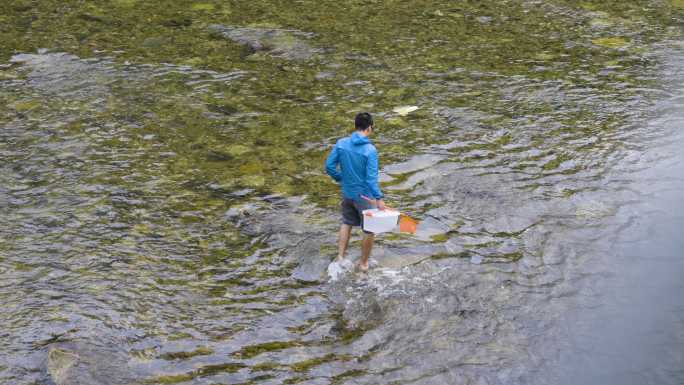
(166, 218)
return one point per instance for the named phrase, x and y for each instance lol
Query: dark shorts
(352, 211)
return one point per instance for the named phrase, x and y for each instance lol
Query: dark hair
(363, 120)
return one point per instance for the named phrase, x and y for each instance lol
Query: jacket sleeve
(372, 175)
(331, 164)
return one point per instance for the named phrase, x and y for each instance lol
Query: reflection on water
(166, 218)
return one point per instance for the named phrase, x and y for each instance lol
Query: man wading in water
(357, 159)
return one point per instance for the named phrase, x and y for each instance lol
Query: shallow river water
(166, 219)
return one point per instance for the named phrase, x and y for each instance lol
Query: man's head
(364, 122)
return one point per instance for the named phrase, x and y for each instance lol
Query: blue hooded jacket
(358, 162)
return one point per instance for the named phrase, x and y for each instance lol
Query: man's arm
(372, 176)
(331, 164)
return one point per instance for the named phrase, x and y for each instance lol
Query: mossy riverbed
(165, 202)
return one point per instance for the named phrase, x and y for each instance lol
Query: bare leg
(366, 247)
(343, 241)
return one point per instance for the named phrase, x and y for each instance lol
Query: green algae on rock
(611, 42)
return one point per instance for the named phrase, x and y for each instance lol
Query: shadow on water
(166, 219)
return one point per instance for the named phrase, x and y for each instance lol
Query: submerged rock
(79, 364)
(311, 262)
(414, 163)
(398, 257)
(67, 75)
(462, 117)
(59, 365)
(282, 43)
(301, 230)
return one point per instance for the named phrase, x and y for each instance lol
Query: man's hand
(379, 203)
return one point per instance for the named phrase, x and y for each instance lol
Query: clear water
(166, 217)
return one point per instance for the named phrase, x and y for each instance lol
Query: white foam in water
(476, 259)
(337, 269)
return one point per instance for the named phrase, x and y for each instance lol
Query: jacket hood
(358, 139)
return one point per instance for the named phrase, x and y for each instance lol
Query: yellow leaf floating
(404, 110)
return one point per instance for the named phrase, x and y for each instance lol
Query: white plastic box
(380, 221)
